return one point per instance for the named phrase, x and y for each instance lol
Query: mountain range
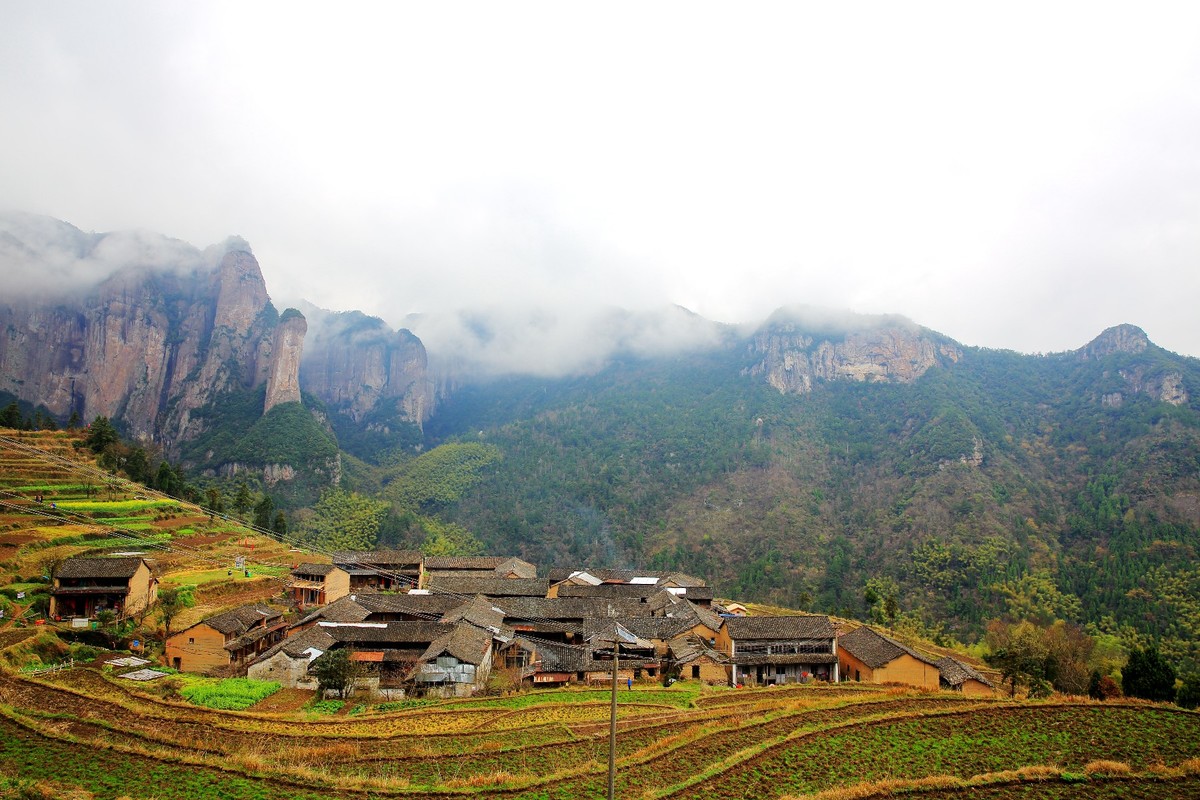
(818, 459)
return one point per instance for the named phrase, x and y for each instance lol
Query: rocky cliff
(149, 344)
(151, 331)
(358, 366)
(1143, 375)
(796, 353)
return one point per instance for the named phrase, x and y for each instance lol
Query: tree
(216, 503)
(1148, 675)
(242, 501)
(171, 601)
(336, 671)
(10, 417)
(344, 520)
(101, 435)
(880, 595)
(280, 525)
(448, 539)
(1019, 651)
(264, 512)
(1189, 693)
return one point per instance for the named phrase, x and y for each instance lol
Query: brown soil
(285, 701)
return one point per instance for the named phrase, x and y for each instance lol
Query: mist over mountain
(795, 461)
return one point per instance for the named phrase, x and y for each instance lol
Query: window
(696, 672)
(191, 640)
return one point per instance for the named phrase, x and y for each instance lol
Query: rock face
(1144, 376)
(283, 375)
(795, 360)
(1117, 339)
(148, 345)
(147, 330)
(357, 365)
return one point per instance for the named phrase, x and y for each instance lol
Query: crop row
(986, 740)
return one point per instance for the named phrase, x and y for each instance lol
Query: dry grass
(1107, 768)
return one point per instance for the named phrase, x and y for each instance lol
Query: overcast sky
(1017, 175)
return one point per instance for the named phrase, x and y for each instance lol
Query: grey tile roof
(464, 562)
(874, 649)
(686, 649)
(467, 643)
(956, 673)
(492, 587)
(82, 567)
(294, 646)
(313, 569)
(387, 632)
(569, 608)
(344, 609)
(242, 619)
(379, 558)
(808, 626)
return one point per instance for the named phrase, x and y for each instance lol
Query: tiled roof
(344, 609)
(662, 628)
(569, 608)
(241, 619)
(313, 569)
(467, 643)
(686, 649)
(294, 646)
(387, 632)
(566, 658)
(464, 562)
(418, 605)
(626, 575)
(955, 672)
(622, 590)
(379, 558)
(788, 627)
(874, 649)
(99, 567)
(492, 587)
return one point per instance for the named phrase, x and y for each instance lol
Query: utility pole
(612, 724)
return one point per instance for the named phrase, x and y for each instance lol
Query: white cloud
(1019, 176)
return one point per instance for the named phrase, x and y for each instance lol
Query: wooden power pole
(612, 726)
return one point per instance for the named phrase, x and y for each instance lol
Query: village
(415, 626)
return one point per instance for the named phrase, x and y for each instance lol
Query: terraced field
(88, 731)
(83, 733)
(56, 503)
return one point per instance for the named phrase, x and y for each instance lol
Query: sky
(1017, 175)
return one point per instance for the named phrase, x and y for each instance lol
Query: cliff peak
(1123, 338)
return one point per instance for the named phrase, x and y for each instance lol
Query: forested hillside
(1039, 487)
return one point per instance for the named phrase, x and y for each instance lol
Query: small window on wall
(695, 672)
(191, 640)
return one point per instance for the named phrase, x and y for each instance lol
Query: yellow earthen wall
(205, 653)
